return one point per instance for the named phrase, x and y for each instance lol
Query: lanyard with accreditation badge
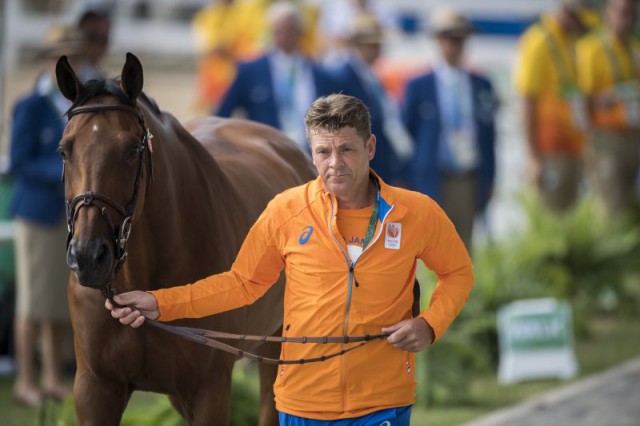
(373, 220)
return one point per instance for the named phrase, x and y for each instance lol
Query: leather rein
(121, 235)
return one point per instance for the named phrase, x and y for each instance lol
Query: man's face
(369, 52)
(570, 21)
(342, 159)
(452, 48)
(621, 16)
(287, 33)
(96, 33)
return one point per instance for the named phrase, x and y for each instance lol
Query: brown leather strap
(207, 338)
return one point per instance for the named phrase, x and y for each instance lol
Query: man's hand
(411, 335)
(138, 305)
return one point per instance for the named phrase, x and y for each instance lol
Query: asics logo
(385, 423)
(306, 234)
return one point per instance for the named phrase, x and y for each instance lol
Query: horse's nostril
(101, 254)
(72, 260)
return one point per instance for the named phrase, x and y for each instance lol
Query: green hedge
(582, 257)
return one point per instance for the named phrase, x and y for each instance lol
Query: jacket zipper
(349, 289)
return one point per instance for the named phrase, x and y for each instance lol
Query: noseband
(102, 202)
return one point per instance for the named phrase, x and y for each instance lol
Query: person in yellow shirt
(225, 32)
(609, 73)
(348, 243)
(554, 110)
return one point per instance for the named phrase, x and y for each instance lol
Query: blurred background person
(225, 32)
(356, 77)
(335, 24)
(278, 88)
(450, 113)
(231, 31)
(37, 206)
(609, 74)
(95, 27)
(553, 107)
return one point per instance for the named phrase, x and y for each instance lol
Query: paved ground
(611, 398)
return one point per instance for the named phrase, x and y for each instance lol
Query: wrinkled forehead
(335, 137)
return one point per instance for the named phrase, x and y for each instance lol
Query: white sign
(536, 341)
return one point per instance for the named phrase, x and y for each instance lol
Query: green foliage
(580, 257)
(160, 412)
(56, 414)
(245, 401)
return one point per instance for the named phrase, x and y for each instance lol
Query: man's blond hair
(336, 112)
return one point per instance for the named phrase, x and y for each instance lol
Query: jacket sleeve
(256, 268)
(446, 255)
(26, 163)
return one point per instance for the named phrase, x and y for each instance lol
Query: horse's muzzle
(92, 261)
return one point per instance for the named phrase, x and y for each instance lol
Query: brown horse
(192, 195)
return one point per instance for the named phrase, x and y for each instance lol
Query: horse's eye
(62, 153)
(134, 149)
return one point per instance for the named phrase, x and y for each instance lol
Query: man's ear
(371, 146)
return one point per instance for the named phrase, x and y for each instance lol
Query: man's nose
(335, 159)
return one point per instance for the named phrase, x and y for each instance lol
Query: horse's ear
(68, 83)
(131, 79)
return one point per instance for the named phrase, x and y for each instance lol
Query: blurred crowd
(577, 75)
(41, 323)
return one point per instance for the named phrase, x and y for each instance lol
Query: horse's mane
(96, 88)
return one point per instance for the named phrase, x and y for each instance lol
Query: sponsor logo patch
(393, 235)
(306, 234)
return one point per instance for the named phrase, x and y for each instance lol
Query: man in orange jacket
(349, 244)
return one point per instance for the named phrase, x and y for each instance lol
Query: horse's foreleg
(268, 374)
(208, 401)
(99, 401)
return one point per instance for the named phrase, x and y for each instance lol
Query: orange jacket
(327, 296)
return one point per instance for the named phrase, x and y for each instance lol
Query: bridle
(121, 235)
(103, 203)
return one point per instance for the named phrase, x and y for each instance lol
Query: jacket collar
(387, 198)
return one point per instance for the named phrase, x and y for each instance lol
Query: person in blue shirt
(37, 205)
(450, 113)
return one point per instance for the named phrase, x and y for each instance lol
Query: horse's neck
(183, 205)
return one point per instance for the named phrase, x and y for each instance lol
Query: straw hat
(366, 29)
(62, 40)
(449, 22)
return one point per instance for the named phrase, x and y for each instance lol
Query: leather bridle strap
(122, 232)
(115, 107)
(207, 338)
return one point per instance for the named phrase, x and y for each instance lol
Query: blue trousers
(389, 417)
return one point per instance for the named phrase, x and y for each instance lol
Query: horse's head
(103, 148)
